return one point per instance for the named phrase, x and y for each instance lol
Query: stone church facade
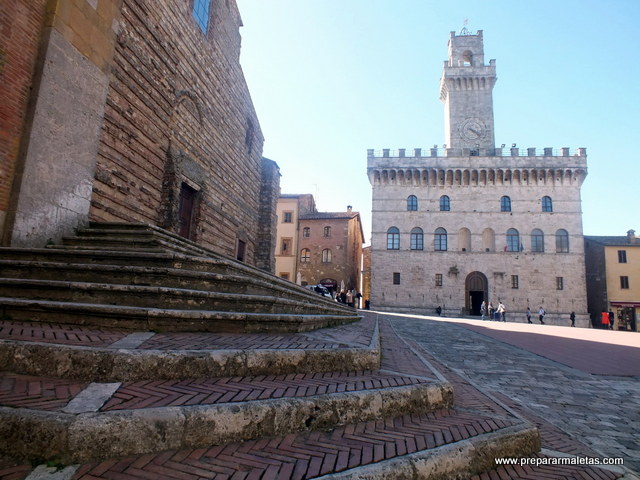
(132, 111)
(472, 222)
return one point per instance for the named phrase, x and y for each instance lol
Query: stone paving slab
(576, 412)
(595, 351)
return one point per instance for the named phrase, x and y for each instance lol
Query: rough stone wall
(55, 167)
(267, 232)
(476, 207)
(179, 112)
(21, 24)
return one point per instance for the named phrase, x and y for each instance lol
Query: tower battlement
(445, 152)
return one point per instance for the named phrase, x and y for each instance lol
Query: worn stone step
(162, 319)
(154, 297)
(165, 277)
(111, 355)
(71, 423)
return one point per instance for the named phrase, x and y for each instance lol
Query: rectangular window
(624, 282)
(201, 13)
(327, 231)
(622, 256)
(514, 281)
(285, 275)
(288, 217)
(242, 247)
(286, 246)
(438, 279)
(396, 278)
(559, 283)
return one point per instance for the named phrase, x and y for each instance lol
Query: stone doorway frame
(476, 289)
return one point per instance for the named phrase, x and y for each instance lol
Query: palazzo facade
(471, 222)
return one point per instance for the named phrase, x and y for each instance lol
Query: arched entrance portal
(476, 290)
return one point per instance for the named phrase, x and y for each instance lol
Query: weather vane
(464, 30)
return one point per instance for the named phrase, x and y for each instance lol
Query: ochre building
(472, 221)
(318, 247)
(131, 111)
(613, 279)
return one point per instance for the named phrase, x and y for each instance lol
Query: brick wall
(21, 24)
(179, 111)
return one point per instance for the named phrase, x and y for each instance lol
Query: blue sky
(333, 78)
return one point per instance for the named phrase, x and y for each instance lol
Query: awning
(625, 304)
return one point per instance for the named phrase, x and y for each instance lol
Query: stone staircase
(141, 277)
(128, 352)
(371, 409)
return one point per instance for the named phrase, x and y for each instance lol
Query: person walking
(529, 315)
(573, 319)
(483, 309)
(612, 319)
(502, 312)
(541, 314)
(491, 310)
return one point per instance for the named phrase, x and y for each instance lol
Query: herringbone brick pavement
(311, 454)
(304, 455)
(37, 393)
(56, 333)
(147, 394)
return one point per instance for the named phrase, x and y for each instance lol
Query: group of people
(492, 313)
(350, 297)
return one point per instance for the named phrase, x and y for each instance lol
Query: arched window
(547, 204)
(445, 204)
(417, 239)
(305, 255)
(488, 240)
(306, 232)
(327, 231)
(393, 239)
(326, 256)
(562, 241)
(412, 203)
(440, 240)
(513, 240)
(505, 204)
(464, 240)
(537, 240)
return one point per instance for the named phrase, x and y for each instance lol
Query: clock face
(472, 129)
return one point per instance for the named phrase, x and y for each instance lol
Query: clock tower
(466, 90)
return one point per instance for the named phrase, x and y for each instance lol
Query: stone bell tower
(466, 90)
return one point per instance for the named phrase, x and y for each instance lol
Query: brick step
(154, 297)
(164, 319)
(441, 444)
(67, 423)
(109, 355)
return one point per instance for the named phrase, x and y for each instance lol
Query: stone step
(164, 319)
(70, 422)
(154, 297)
(110, 355)
(133, 236)
(165, 277)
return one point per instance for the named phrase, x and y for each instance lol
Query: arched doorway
(476, 291)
